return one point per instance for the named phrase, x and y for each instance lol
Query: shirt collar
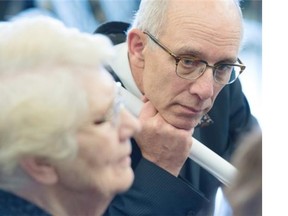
(120, 65)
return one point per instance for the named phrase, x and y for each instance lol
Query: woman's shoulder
(13, 205)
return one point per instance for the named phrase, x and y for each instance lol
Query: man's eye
(191, 63)
(224, 67)
(187, 62)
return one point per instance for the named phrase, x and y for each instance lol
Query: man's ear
(40, 170)
(136, 44)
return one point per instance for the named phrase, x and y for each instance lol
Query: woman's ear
(136, 44)
(40, 170)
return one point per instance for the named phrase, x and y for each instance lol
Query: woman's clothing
(12, 205)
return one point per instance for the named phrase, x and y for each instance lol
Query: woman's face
(103, 164)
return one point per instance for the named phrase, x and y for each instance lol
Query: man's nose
(204, 85)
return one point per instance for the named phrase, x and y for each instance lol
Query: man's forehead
(199, 8)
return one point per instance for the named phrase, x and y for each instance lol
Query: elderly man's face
(208, 30)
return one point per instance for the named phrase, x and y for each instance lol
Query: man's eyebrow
(227, 61)
(187, 52)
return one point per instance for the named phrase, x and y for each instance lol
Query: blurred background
(86, 15)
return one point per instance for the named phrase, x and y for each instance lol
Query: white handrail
(199, 153)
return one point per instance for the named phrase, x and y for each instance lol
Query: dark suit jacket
(12, 205)
(155, 191)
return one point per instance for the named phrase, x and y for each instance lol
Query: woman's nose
(129, 125)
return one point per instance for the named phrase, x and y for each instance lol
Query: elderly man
(178, 57)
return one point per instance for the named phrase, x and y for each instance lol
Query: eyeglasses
(113, 115)
(192, 68)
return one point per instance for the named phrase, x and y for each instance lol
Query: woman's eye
(100, 121)
(106, 118)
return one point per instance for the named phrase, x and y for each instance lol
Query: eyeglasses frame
(178, 59)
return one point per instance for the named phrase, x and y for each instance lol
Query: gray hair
(152, 14)
(42, 41)
(43, 101)
(40, 114)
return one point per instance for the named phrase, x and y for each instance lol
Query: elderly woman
(64, 133)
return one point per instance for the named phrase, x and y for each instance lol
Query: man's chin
(183, 123)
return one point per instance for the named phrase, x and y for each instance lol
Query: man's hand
(161, 143)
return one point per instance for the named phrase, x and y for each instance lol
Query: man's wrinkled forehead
(216, 15)
(203, 8)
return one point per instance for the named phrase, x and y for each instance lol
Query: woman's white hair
(40, 114)
(43, 41)
(43, 101)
